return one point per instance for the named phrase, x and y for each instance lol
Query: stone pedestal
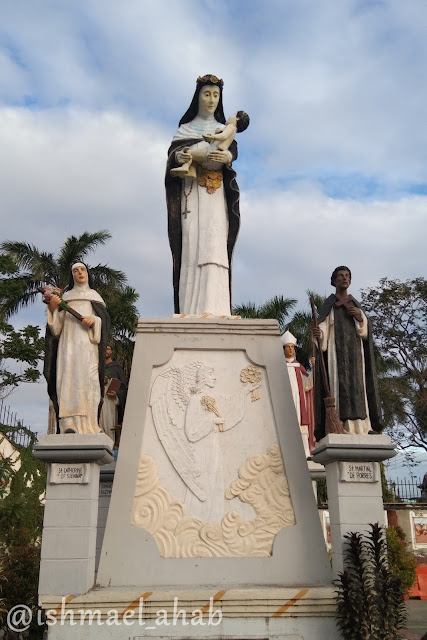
(212, 505)
(71, 510)
(129, 614)
(171, 522)
(354, 485)
(317, 472)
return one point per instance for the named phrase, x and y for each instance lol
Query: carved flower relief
(252, 375)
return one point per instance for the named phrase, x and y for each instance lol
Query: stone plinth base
(71, 509)
(211, 487)
(119, 614)
(354, 485)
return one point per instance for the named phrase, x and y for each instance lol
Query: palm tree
(277, 308)
(299, 326)
(38, 268)
(35, 268)
(120, 303)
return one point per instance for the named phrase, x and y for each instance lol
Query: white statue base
(353, 477)
(130, 614)
(211, 464)
(212, 495)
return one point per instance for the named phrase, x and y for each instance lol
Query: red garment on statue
(306, 403)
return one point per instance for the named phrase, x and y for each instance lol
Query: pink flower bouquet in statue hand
(48, 291)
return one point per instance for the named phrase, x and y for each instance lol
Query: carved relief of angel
(189, 421)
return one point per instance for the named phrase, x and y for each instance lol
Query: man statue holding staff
(75, 354)
(345, 337)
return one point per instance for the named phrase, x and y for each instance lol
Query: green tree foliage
(279, 308)
(22, 485)
(24, 346)
(124, 317)
(388, 494)
(20, 568)
(370, 602)
(299, 326)
(37, 268)
(3, 610)
(401, 562)
(398, 311)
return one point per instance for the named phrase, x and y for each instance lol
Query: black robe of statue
(173, 199)
(114, 370)
(350, 372)
(51, 352)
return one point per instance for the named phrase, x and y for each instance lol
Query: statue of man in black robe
(346, 340)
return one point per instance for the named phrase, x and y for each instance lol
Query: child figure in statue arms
(224, 135)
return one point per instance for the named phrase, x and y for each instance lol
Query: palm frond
(26, 256)
(123, 312)
(104, 276)
(277, 308)
(76, 249)
(318, 299)
(248, 310)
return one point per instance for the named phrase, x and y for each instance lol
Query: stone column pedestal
(71, 510)
(354, 485)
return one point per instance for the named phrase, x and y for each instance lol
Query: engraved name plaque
(357, 472)
(66, 473)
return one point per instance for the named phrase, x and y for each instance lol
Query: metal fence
(408, 490)
(17, 431)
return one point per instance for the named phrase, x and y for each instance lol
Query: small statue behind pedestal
(302, 392)
(112, 412)
(76, 338)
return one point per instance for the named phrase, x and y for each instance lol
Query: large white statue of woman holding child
(203, 202)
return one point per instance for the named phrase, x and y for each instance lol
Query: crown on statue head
(209, 78)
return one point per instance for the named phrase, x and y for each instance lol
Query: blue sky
(332, 168)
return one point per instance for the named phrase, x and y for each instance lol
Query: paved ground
(417, 618)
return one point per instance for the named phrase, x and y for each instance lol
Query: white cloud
(74, 171)
(291, 241)
(335, 91)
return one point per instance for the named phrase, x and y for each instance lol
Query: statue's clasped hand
(224, 157)
(314, 329)
(183, 156)
(252, 387)
(219, 422)
(355, 313)
(54, 302)
(88, 321)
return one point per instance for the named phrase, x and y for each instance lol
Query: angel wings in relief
(189, 419)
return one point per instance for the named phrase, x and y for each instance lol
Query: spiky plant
(370, 602)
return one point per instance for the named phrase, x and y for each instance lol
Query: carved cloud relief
(261, 483)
